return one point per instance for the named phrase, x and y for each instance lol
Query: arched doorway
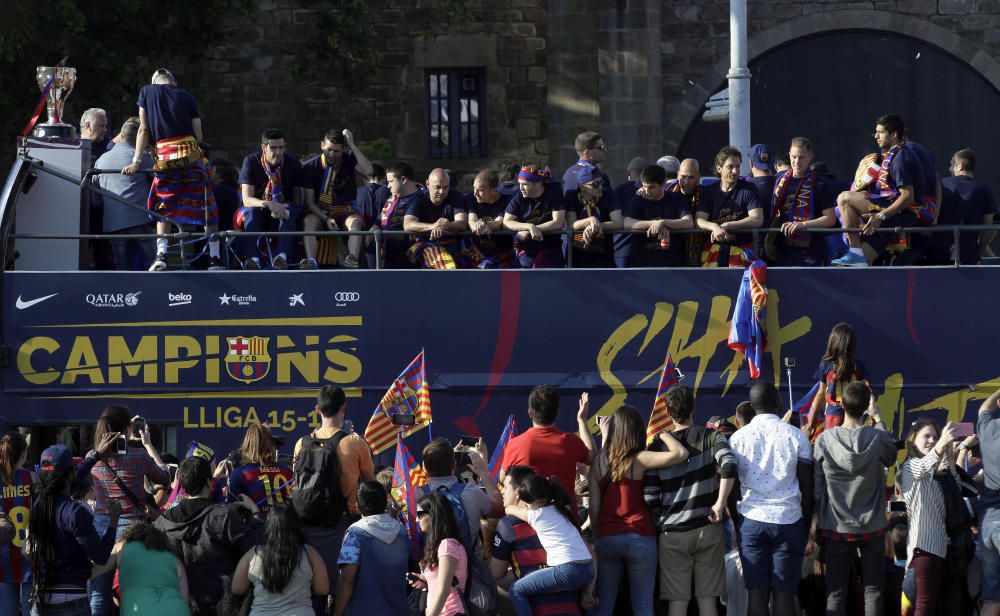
(831, 87)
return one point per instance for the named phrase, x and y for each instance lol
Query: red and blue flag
(496, 460)
(409, 394)
(659, 419)
(747, 331)
(407, 475)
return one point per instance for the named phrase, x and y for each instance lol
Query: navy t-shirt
(390, 218)
(229, 201)
(427, 212)
(344, 185)
(536, 212)
(765, 187)
(730, 206)
(490, 212)
(169, 110)
(649, 253)
(905, 170)
(965, 201)
(369, 201)
(928, 173)
(252, 173)
(602, 209)
(823, 199)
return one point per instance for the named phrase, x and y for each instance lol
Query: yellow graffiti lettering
(24, 353)
(175, 359)
(82, 362)
(120, 356)
(349, 365)
(606, 356)
(778, 334)
(306, 364)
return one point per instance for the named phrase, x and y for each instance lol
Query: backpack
(316, 493)
(480, 592)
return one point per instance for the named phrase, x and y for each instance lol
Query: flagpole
(788, 370)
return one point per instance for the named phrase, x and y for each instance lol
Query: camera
(121, 445)
(403, 419)
(279, 440)
(234, 458)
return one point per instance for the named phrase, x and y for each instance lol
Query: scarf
(274, 190)
(695, 241)
(328, 191)
(886, 189)
(587, 209)
(802, 207)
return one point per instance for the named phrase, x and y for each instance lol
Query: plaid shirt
(132, 468)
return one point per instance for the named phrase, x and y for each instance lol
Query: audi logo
(347, 296)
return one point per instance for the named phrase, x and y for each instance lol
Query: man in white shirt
(774, 462)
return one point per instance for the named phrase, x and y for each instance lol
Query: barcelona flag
(407, 475)
(746, 332)
(802, 408)
(659, 419)
(408, 395)
(496, 460)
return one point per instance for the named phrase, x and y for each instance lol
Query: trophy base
(55, 131)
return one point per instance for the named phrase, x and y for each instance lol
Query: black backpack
(316, 493)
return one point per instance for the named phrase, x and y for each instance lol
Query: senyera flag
(496, 460)
(407, 475)
(747, 331)
(802, 408)
(408, 395)
(659, 419)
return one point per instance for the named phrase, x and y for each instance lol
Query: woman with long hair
(63, 541)
(284, 571)
(121, 477)
(259, 475)
(15, 482)
(624, 536)
(151, 576)
(544, 505)
(928, 450)
(444, 557)
(837, 368)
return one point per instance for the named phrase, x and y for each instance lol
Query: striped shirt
(15, 498)
(685, 493)
(925, 506)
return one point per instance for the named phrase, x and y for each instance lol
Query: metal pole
(739, 81)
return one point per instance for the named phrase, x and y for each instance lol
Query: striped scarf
(802, 207)
(588, 209)
(886, 189)
(274, 190)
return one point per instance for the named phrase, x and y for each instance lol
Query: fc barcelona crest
(247, 359)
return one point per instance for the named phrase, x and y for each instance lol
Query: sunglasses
(421, 514)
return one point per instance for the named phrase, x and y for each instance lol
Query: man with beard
(726, 210)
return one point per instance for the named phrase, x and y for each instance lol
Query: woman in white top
(928, 451)
(545, 506)
(285, 572)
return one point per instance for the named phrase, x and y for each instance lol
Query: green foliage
(115, 45)
(379, 149)
(342, 46)
(442, 17)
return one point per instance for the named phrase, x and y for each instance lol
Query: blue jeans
(561, 578)
(101, 586)
(989, 555)
(72, 608)
(772, 554)
(618, 554)
(14, 598)
(259, 219)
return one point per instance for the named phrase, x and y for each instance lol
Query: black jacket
(212, 539)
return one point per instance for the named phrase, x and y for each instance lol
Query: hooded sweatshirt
(850, 478)
(377, 545)
(212, 539)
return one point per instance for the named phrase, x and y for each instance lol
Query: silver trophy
(63, 79)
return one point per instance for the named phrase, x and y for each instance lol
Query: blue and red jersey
(517, 543)
(15, 498)
(834, 412)
(265, 485)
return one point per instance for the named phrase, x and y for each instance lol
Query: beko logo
(178, 299)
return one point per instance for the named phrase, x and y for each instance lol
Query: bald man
(486, 210)
(688, 185)
(444, 212)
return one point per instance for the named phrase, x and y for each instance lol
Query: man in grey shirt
(119, 218)
(850, 498)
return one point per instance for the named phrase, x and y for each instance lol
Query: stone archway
(682, 115)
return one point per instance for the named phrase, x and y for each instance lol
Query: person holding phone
(120, 476)
(837, 368)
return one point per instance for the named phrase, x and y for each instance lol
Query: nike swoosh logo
(21, 304)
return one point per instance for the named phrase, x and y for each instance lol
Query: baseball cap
(587, 174)
(670, 164)
(56, 458)
(761, 157)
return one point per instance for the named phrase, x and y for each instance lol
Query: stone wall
(695, 44)
(246, 84)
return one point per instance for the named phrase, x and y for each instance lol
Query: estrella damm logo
(247, 359)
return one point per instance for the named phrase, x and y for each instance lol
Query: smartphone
(404, 419)
(897, 506)
(468, 441)
(348, 426)
(138, 424)
(121, 445)
(964, 430)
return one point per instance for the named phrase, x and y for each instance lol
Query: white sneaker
(159, 263)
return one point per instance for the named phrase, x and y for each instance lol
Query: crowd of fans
(663, 215)
(766, 513)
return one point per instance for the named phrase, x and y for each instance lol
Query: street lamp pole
(739, 81)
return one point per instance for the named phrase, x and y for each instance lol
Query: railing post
(378, 248)
(569, 247)
(955, 246)
(755, 232)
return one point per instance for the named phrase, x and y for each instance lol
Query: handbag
(129, 494)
